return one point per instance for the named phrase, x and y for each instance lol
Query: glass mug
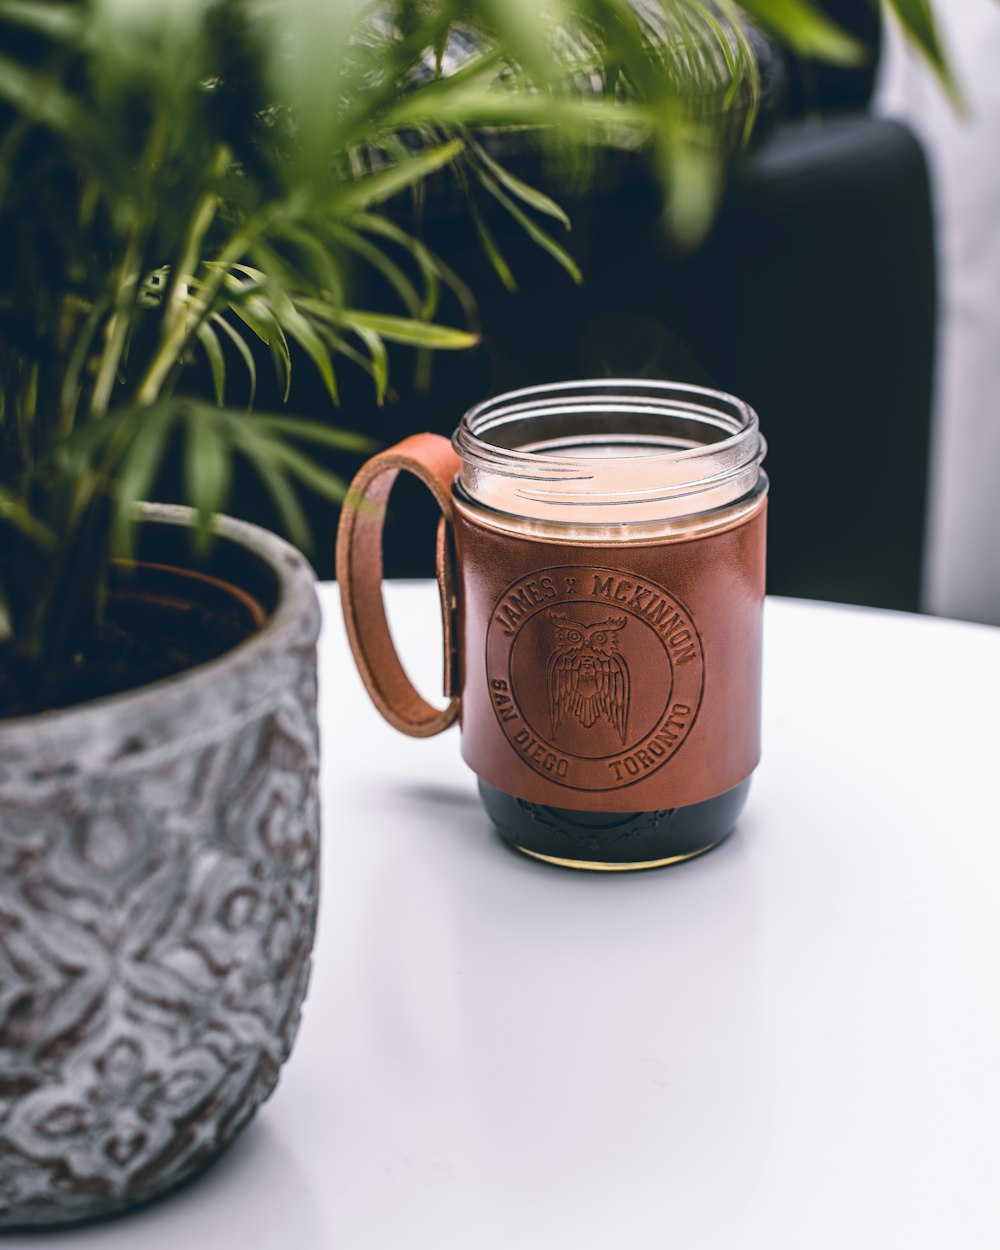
(601, 566)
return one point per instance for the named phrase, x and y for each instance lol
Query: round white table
(793, 1041)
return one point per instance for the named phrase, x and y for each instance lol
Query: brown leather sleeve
(611, 677)
(359, 573)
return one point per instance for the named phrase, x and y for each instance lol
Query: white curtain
(962, 572)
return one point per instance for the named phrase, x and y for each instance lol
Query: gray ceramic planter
(158, 889)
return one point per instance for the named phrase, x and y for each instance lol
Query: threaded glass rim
(610, 451)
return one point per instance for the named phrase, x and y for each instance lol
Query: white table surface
(792, 1042)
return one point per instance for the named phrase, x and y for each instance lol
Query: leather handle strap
(430, 458)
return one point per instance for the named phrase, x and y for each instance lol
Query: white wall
(962, 576)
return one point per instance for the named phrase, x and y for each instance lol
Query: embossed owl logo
(586, 676)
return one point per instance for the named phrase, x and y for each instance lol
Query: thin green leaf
(693, 178)
(533, 230)
(409, 331)
(488, 243)
(343, 348)
(250, 313)
(441, 104)
(529, 195)
(208, 470)
(379, 358)
(258, 278)
(256, 313)
(39, 98)
(322, 481)
(282, 359)
(425, 258)
(216, 361)
(285, 500)
(381, 186)
(917, 19)
(524, 27)
(246, 355)
(423, 370)
(303, 429)
(299, 328)
(87, 441)
(742, 62)
(806, 30)
(405, 330)
(17, 513)
(137, 472)
(58, 21)
(321, 264)
(384, 265)
(283, 274)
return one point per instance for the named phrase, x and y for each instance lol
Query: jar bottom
(613, 841)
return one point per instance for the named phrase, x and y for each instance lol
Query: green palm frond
(185, 180)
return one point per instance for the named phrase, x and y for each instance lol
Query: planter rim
(63, 732)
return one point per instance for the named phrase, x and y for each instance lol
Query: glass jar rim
(696, 449)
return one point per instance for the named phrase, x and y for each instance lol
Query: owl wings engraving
(586, 676)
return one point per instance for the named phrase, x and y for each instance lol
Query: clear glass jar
(636, 472)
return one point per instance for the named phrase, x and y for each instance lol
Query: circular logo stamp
(595, 674)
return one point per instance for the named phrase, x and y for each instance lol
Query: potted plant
(201, 181)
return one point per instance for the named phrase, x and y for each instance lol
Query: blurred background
(962, 565)
(846, 290)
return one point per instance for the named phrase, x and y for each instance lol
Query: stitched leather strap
(430, 458)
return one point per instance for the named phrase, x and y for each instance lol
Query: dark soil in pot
(161, 617)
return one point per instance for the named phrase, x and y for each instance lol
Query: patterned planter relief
(156, 921)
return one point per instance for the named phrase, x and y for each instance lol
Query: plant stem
(69, 396)
(183, 269)
(183, 328)
(117, 329)
(128, 277)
